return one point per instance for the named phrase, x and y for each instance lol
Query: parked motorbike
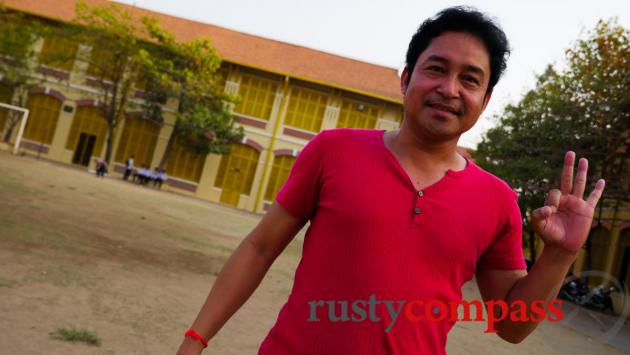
(578, 292)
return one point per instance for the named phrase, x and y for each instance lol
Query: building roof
(250, 50)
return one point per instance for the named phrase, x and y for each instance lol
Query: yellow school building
(289, 93)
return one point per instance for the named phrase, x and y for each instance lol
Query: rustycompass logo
(361, 310)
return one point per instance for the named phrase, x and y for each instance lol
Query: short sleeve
(506, 251)
(300, 193)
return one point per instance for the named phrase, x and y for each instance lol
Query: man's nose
(448, 87)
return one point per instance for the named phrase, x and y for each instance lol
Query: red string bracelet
(194, 334)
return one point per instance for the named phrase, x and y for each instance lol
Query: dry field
(133, 265)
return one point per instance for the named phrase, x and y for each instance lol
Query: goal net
(23, 116)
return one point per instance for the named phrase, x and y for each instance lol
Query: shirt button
(416, 210)
(420, 194)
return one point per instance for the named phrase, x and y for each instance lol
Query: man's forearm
(238, 279)
(542, 283)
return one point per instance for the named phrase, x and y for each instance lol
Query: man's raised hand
(565, 220)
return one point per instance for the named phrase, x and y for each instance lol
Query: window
(356, 114)
(89, 120)
(306, 109)
(138, 138)
(279, 173)
(6, 94)
(185, 163)
(42, 119)
(222, 75)
(58, 52)
(258, 95)
(101, 65)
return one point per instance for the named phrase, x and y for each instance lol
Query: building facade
(280, 111)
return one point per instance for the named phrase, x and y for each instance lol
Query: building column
(60, 138)
(278, 113)
(257, 184)
(208, 176)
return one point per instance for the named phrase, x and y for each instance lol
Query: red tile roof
(251, 50)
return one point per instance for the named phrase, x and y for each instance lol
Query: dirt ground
(133, 265)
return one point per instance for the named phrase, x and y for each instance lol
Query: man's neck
(424, 155)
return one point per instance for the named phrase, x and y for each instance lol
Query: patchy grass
(76, 335)
(14, 186)
(76, 250)
(6, 283)
(64, 274)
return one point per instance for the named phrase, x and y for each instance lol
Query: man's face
(447, 91)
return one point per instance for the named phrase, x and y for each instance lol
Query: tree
(115, 60)
(17, 37)
(597, 83)
(188, 72)
(583, 108)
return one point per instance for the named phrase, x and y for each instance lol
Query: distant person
(139, 175)
(128, 168)
(144, 174)
(159, 177)
(101, 168)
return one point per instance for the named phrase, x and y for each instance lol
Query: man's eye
(435, 69)
(471, 79)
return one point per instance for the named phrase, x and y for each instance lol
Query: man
(401, 217)
(101, 168)
(128, 168)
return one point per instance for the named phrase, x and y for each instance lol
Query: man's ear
(404, 80)
(486, 99)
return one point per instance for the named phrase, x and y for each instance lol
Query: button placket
(417, 210)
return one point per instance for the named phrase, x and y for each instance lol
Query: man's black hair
(467, 20)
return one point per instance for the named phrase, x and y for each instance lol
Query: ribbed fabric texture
(373, 234)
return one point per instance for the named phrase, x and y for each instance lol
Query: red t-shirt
(372, 234)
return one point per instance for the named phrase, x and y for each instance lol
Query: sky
(378, 31)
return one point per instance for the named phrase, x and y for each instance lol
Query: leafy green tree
(188, 73)
(17, 57)
(583, 108)
(115, 60)
(597, 83)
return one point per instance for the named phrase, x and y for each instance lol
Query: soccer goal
(23, 119)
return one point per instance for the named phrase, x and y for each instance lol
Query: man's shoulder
(492, 182)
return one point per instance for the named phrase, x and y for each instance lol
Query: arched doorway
(42, 120)
(139, 137)
(87, 134)
(236, 173)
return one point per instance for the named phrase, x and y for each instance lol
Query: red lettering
(538, 311)
(466, 307)
(492, 318)
(555, 308)
(518, 311)
(409, 311)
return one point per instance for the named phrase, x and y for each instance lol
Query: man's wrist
(191, 346)
(558, 254)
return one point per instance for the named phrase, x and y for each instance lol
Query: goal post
(23, 120)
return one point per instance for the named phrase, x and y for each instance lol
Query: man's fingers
(553, 198)
(595, 195)
(580, 179)
(566, 179)
(539, 217)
